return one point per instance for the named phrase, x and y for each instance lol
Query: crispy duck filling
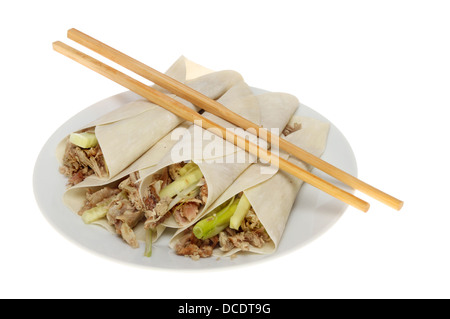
(289, 129)
(120, 205)
(233, 224)
(218, 230)
(178, 190)
(83, 157)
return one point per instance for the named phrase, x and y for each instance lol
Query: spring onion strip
(215, 223)
(148, 243)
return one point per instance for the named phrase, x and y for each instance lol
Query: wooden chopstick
(219, 110)
(188, 114)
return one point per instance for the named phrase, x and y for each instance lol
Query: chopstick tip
(71, 30)
(399, 205)
(56, 44)
(365, 208)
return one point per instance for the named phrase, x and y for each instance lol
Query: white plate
(314, 212)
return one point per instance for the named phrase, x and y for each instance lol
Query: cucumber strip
(180, 184)
(190, 192)
(94, 214)
(187, 168)
(84, 140)
(241, 211)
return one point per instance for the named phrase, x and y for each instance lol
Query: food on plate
(108, 145)
(121, 206)
(116, 204)
(129, 175)
(176, 200)
(178, 190)
(217, 230)
(251, 214)
(83, 158)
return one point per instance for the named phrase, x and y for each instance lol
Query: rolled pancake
(129, 131)
(222, 167)
(239, 97)
(271, 199)
(75, 197)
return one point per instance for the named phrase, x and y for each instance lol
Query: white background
(379, 70)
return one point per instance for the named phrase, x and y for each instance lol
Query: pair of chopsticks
(219, 110)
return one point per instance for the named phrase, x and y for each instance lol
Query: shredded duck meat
(250, 233)
(204, 192)
(125, 208)
(289, 129)
(79, 163)
(131, 187)
(97, 198)
(191, 246)
(174, 170)
(187, 211)
(157, 209)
